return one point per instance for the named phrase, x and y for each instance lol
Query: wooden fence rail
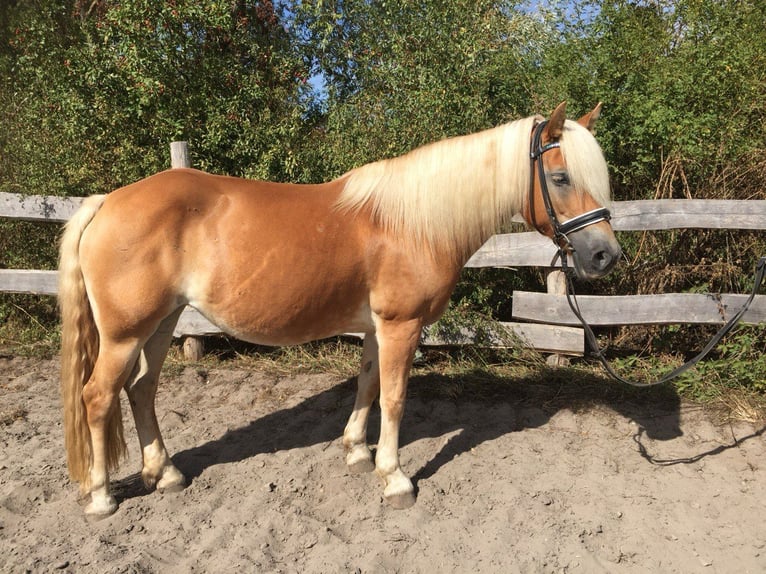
(548, 325)
(528, 249)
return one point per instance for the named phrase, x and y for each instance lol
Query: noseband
(560, 230)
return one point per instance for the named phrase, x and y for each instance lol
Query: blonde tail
(79, 350)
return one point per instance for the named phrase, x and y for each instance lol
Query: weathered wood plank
(530, 249)
(28, 281)
(192, 323)
(525, 249)
(179, 155)
(38, 207)
(626, 215)
(546, 338)
(670, 308)
(688, 213)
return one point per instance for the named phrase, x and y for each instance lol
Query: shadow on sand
(438, 405)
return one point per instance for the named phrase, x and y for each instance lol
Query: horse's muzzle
(594, 252)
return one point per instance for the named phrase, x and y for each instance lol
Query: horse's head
(568, 191)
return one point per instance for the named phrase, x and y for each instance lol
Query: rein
(760, 270)
(602, 214)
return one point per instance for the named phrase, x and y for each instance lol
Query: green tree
(401, 74)
(683, 87)
(95, 91)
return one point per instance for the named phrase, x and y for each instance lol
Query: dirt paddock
(504, 485)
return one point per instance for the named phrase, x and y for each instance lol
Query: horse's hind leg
(358, 455)
(158, 470)
(100, 396)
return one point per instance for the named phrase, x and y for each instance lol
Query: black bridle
(564, 246)
(560, 230)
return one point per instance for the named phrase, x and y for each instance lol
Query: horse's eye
(560, 178)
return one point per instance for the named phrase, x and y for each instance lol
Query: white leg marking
(358, 455)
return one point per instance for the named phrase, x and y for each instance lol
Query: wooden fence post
(179, 157)
(556, 284)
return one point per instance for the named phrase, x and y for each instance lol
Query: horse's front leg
(358, 455)
(397, 342)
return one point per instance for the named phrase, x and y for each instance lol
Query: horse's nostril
(602, 260)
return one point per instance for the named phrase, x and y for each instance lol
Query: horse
(376, 251)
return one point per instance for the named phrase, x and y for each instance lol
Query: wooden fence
(548, 323)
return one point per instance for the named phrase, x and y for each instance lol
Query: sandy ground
(504, 485)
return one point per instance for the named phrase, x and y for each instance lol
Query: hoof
(173, 487)
(172, 480)
(359, 460)
(399, 492)
(101, 508)
(400, 500)
(361, 466)
(150, 481)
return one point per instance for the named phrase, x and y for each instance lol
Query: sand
(504, 484)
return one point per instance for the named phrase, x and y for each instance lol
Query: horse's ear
(556, 123)
(589, 119)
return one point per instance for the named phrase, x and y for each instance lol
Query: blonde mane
(454, 194)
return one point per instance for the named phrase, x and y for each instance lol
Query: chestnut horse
(377, 251)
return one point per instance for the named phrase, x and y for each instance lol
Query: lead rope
(760, 269)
